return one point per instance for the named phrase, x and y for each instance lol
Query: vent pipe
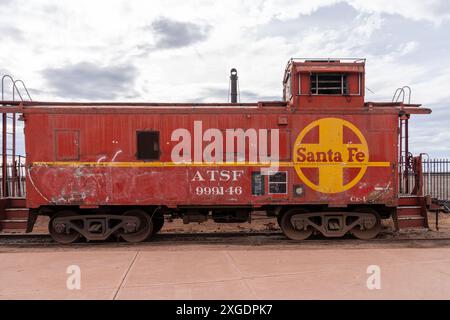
(233, 86)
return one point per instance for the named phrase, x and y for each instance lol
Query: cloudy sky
(175, 51)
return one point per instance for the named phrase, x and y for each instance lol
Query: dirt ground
(261, 223)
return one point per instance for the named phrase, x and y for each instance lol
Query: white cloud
(435, 11)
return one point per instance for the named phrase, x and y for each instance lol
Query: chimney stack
(233, 86)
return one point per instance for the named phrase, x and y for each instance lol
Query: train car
(322, 160)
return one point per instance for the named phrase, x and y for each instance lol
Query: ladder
(13, 212)
(405, 157)
(9, 121)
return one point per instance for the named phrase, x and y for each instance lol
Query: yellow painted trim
(203, 164)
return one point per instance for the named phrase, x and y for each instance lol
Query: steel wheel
(288, 228)
(145, 227)
(371, 232)
(158, 223)
(63, 237)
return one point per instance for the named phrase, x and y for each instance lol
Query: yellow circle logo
(329, 146)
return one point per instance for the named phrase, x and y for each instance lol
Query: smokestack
(234, 86)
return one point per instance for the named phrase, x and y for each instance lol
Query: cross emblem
(331, 155)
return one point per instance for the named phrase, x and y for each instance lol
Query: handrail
(398, 90)
(25, 87)
(401, 91)
(14, 87)
(19, 156)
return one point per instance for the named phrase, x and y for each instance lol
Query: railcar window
(148, 145)
(328, 83)
(257, 184)
(287, 94)
(278, 183)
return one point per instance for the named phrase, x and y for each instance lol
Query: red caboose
(322, 160)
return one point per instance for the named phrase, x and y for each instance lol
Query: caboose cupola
(319, 83)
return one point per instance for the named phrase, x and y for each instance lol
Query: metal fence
(15, 178)
(436, 177)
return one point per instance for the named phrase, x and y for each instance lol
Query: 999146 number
(218, 191)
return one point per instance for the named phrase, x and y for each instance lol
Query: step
(412, 222)
(8, 225)
(409, 211)
(16, 214)
(409, 200)
(16, 202)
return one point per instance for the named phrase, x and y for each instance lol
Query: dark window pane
(148, 145)
(325, 83)
(278, 183)
(277, 188)
(278, 177)
(257, 183)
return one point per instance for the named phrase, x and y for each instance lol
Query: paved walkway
(189, 272)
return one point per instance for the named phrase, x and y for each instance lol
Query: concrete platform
(222, 272)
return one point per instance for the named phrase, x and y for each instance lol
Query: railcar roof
(135, 106)
(80, 104)
(120, 107)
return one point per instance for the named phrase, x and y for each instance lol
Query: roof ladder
(9, 137)
(403, 92)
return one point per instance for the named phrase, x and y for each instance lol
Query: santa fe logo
(331, 155)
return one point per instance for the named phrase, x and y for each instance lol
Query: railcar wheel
(57, 231)
(158, 223)
(288, 228)
(371, 228)
(145, 227)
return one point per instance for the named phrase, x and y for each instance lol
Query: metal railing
(435, 177)
(12, 177)
(401, 94)
(15, 179)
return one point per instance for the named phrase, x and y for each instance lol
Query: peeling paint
(101, 159)
(115, 155)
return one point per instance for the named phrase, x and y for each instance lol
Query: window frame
(157, 158)
(343, 86)
(288, 87)
(269, 183)
(262, 180)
